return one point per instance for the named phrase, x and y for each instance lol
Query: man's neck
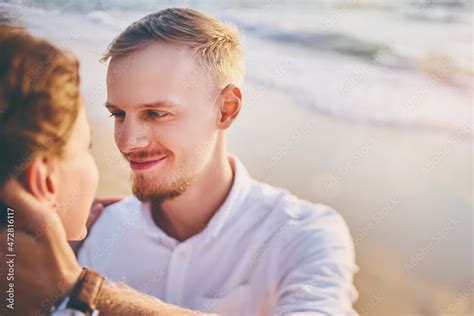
(189, 213)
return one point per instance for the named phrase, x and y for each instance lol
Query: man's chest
(227, 278)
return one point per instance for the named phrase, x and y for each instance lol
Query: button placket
(177, 271)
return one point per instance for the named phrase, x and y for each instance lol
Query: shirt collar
(234, 199)
(231, 205)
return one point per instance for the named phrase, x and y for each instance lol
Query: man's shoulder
(121, 210)
(125, 212)
(298, 218)
(280, 202)
(125, 202)
(308, 234)
(309, 214)
(116, 222)
(311, 252)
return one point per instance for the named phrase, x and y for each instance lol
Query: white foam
(381, 91)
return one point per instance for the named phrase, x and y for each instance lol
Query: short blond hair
(215, 44)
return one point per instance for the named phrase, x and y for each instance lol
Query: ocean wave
(334, 73)
(358, 92)
(381, 53)
(105, 19)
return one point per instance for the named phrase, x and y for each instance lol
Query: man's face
(165, 117)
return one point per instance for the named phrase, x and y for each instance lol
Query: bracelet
(85, 292)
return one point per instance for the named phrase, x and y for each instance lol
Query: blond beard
(145, 189)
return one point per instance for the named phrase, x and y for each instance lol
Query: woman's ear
(40, 179)
(230, 106)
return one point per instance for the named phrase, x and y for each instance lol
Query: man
(199, 232)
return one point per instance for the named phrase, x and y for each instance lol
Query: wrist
(85, 292)
(64, 286)
(71, 278)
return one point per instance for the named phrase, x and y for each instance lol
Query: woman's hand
(36, 252)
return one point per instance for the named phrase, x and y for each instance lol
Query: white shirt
(264, 252)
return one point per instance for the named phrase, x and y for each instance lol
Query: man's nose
(131, 135)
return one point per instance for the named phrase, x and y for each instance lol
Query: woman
(45, 137)
(45, 140)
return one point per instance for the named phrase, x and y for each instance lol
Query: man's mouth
(142, 164)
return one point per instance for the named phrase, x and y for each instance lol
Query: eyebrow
(153, 105)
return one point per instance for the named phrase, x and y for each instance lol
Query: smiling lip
(143, 165)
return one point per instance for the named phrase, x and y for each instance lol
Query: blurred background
(366, 106)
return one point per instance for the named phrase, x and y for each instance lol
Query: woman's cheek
(90, 182)
(83, 233)
(86, 177)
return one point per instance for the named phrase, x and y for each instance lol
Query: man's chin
(146, 190)
(144, 194)
(155, 196)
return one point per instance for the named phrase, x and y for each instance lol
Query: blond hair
(214, 44)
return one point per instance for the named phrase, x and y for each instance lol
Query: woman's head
(44, 133)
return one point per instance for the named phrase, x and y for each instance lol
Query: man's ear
(229, 108)
(40, 179)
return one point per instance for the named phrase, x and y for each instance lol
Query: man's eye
(156, 114)
(117, 114)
